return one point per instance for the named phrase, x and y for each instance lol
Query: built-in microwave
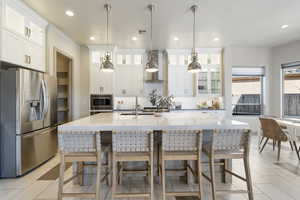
(101, 102)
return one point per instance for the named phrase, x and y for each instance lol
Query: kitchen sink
(139, 113)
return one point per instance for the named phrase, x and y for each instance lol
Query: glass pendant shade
(107, 65)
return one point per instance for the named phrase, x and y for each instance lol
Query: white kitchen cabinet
(180, 82)
(128, 80)
(12, 49)
(100, 82)
(36, 34)
(23, 36)
(14, 19)
(36, 55)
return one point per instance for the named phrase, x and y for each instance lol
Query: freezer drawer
(35, 148)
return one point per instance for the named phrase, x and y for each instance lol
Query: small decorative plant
(153, 97)
(161, 102)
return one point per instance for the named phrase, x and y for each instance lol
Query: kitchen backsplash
(124, 103)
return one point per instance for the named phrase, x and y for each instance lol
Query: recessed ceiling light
(216, 39)
(284, 26)
(92, 38)
(69, 13)
(176, 38)
(134, 38)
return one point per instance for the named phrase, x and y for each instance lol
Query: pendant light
(151, 64)
(107, 65)
(194, 66)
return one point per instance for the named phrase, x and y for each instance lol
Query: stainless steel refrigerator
(28, 134)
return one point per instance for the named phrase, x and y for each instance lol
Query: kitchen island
(189, 120)
(192, 120)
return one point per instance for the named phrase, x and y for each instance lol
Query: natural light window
(247, 91)
(291, 91)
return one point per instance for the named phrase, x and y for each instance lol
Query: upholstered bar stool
(132, 146)
(229, 144)
(181, 145)
(80, 146)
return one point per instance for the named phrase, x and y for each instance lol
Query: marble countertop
(169, 120)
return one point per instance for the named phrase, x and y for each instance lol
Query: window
(202, 83)
(247, 90)
(291, 90)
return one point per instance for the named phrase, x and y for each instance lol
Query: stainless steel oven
(101, 102)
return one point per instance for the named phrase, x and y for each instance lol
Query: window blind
(248, 71)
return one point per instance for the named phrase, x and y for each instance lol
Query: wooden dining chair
(224, 145)
(271, 129)
(132, 146)
(181, 145)
(80, 147)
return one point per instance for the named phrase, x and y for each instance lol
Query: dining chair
(181, 145)
(132, 146)
(227, 144)
(80, 147)
(271, 129)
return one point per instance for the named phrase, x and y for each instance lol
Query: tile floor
(271, 180)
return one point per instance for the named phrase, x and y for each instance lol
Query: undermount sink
(139, 113)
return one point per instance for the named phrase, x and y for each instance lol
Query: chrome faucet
(136, 106)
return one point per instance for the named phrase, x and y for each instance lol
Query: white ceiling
(244, 23)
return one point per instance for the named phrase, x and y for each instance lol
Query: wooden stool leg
(291, 144)
(200, 175)
(110, 175)
(98, 181)
(61, 176)
(114, 179)
(163, 177)
(212, 176)
(248, 177)
(151, 176)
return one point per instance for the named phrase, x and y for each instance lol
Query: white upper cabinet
(23, 36)
(181, 83)
(14, 19)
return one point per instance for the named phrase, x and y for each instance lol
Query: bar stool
(181, 145)
(229, 144)
(80, 146)
(132, 146)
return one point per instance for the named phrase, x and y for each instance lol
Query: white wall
(280, 55)
(84, 81)
(57, 39)
(246, 57)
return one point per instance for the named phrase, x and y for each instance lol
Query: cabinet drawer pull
(29, 59)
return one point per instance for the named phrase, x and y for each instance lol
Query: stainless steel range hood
(156, 77)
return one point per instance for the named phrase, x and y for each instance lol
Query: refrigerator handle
(45, 99)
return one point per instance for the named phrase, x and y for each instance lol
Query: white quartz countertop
(172, 120)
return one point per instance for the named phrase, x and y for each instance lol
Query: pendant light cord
(151, 34)
(194, 31)
(107, 21)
